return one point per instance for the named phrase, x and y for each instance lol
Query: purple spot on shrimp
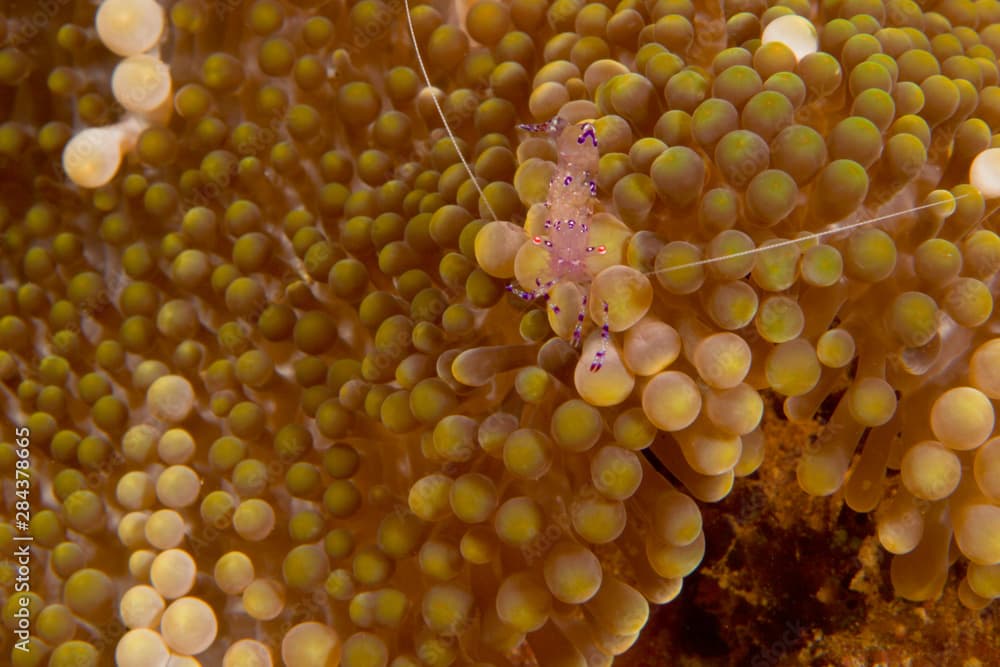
(598, 362)
(567, 180)
(588, 131)
(593, 189)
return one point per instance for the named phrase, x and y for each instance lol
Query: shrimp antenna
(788, 242)
(444, 119)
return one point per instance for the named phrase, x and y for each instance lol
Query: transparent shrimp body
(570, 202)
(569, 207)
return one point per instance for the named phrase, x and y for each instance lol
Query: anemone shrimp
(569, 207)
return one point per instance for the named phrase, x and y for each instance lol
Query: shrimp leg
(581, 316)
(598, 361)
(541, 292)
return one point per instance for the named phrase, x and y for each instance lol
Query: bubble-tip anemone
(309, 311)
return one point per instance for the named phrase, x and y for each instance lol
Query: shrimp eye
(537, 240)
(548, 244)
(601, 249)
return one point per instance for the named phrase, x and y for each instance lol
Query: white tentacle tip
(130, 27)
(794, 31)
(984, 174)
(142, 85)
(91, 158)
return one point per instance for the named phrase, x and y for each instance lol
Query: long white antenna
(444, 119)
(788, 242)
